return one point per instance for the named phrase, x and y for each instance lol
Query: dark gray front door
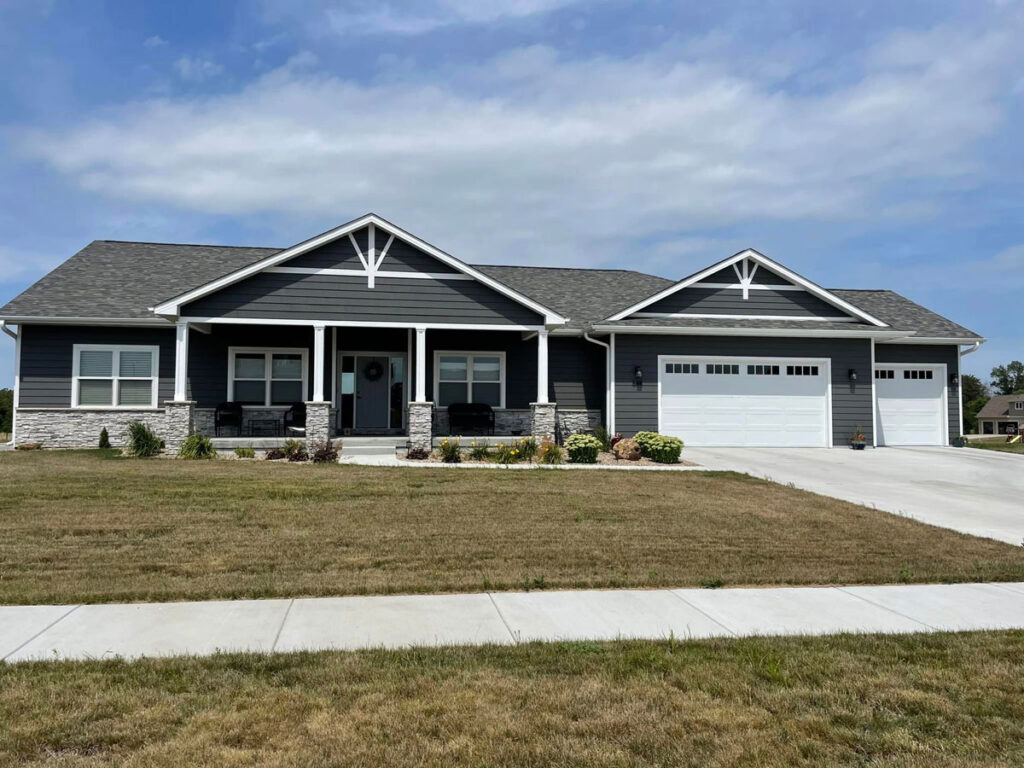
(372, 387)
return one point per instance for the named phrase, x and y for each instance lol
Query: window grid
(763, 370)
(130, 373)
(918, 374)
(475, 364)
(270, 374)
(801, 370)
(885, 373)
(686, 368)
(722, 369)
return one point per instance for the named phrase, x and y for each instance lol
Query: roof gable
(745, 281)
(370, 239)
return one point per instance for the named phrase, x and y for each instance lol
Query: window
(720, 369)
(1019, 406)
(762, 370)
(469, 377)
(915, 374)
(266, 377)
(886, 373)
(682, 368)
(801, 370)
(114, 376)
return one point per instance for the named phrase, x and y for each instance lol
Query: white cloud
(17, 265)
(154, 41)
(595, 154)
(196, 69)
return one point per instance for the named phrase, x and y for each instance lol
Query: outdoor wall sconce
(954, 380)
(638, 376)
(853, 374)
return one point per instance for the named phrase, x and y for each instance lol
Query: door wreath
(373, 370)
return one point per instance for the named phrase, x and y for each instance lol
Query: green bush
(583, 449)
(245, 452)
(479, 451)
(644, 439)
(528, 448)
(507, 454)
(605, 437)
(197, 447)
(274, 454)
(324, 453)
(549, 452)
(142, 443)
(450, 451)
(291, 447)
(104, 439)
(660, 448)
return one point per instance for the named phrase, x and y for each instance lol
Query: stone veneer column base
(318, 422)
(421, 426)
(181, 418)
(544, 418)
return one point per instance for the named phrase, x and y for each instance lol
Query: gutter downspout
(960, 376)
(608, 379)
(17, 374)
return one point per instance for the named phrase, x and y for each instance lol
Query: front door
(372, 393)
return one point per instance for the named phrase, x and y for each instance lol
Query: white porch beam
(181, 361)
(542, 366)
(421, 365)
(318, 363)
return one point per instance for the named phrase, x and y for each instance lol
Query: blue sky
(875, 145)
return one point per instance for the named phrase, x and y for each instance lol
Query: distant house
(1002, 415)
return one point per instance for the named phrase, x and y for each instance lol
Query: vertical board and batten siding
(730, 301)
(763, 276)
(339, 254)
(636, 409)
(348, 298)
(47, 353)
(928, 353)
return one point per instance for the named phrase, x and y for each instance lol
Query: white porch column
(181, 362)
(542, 367)
(318, 363)
(421, 365)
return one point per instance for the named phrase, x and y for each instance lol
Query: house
(1002, 415)
(378, 332)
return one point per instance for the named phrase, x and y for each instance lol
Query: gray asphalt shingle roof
(1002, 406)
(117, 279)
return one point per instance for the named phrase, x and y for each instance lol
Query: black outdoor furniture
(470, 417)
(295, 420)
(227, 415)
(264, 427)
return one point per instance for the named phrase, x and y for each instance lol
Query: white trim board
(363, 273)
(360, 324)
(115, 375)
(757, 258)
(172, 307)
(795, 333)
(713, 316)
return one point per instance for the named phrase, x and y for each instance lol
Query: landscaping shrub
(583, 449)
(30, 447)
(417, 454)
(297, 454)
(324, 453)
(662, 448)
(292, 446)
(104, 439)
(245, 452)
(626, 449)
(604, 437)
(528, 448)
(507, 454)
(142, 443)
(197, 447)
(644, 439)
(549, 452)
(479, 452)
(274, 454)
(450, 451)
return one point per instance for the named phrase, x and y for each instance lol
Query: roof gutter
(973, 348)
(8, 331)
(786, 332)
(129, 321)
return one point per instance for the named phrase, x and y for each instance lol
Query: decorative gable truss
(747, 286)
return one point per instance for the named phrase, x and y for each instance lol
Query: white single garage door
(911, 404)
(744, 401)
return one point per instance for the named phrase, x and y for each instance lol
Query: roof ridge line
(191, 245)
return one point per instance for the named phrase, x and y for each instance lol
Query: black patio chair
(470, 417)
(227, 415)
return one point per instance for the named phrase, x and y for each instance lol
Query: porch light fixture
(954, 380)
(853, 374)
(638, 376)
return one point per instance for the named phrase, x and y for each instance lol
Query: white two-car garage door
(744, 401)
(911, 404)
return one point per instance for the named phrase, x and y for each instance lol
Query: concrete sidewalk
(169, 629)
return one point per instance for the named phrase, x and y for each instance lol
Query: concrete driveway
(966, 489)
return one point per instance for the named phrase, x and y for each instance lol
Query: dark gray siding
(372, 339)
(47, 351)
(730, 301)
(336, 297)
(576, 373)
(763, 276)
(338, 254)
(403, 257)
(636, 409)
(929, 353)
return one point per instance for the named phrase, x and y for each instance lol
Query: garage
(758, 402)
(911, 404)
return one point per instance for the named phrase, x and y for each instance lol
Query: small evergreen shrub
(450, 451)
(245, 452)
(583, 449)
(549, 452)
(197, 447)
(528, 448)
(274, 454)
(142, 443)
(507, 454)
(324, 453)
(104, 439)
(291, 447)
(479, 451)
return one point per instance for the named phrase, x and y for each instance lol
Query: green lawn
(87, 527)
(998, 445)
(912, 701)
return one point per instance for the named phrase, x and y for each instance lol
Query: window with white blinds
(114, 376)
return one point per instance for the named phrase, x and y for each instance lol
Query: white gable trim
(759, 259)
(172, 307)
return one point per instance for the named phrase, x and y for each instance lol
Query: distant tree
(6, 409)
(974, 395)
(1008, 379)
